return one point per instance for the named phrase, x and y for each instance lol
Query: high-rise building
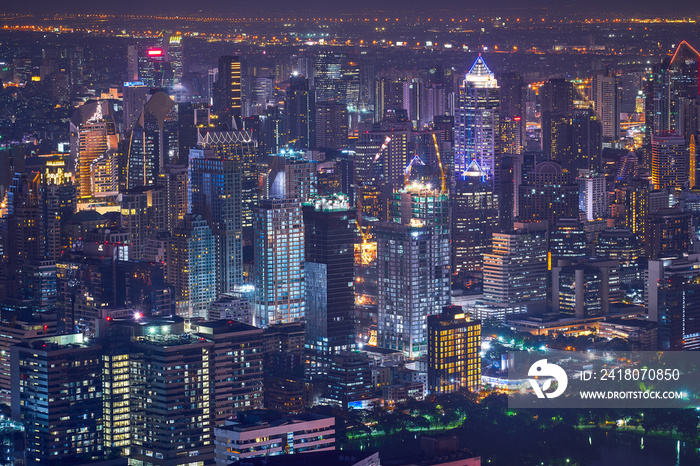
(669, 161)
(215, 190)
(330, 301)
(171, 402)
(593, 195)
(349, 380)
(241, 147)
(549, 194)
(331, 126)
(300, 113)
(474, 219)
(605, 94)
(679, 314)
(622, 245)
(229, 101)
(477, 123)
(18, 326)
(567, 240)
(290, 176)
(413, 261)
(191, 266)
(57, 394)
(94, 150)
(512, 113)
(515, 273)
(135, 95)
(557, 97)
(669, 233)
(238, 350)
(153, 141)
(280, 295)
(584, 288)
(454, 344)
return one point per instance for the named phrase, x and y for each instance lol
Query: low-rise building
(250, 436)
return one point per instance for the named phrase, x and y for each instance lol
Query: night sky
(307, 7)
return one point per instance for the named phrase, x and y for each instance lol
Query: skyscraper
(191, 266)
(57, 395)
(593, 195)
(474, 219)
(515, 272)
(280, 295)
(606, 97)
(330, 299)
(94, 150)
(669, 161)
(413, 260)
(162, 412)
(549, 194)
(229, 102)
(477, 123)
(300, 112)
(215, 188)
(331, 126)
(454, 343)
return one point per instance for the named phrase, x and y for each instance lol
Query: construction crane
(407, 171)
(442, 169)
(368, 250)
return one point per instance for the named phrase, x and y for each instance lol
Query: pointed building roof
(480, 75)
(473, 169)
(684, 52)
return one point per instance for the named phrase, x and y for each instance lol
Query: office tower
(300, 113)
(36, 204)
(152, 142)
(215, 189)
(116, 396)
(593, 195)
(605, 93)
(477, 123)
(622, 245)
(349, 380)
(512, 113)
(291, 176)
(567, 240)
(413, 268)
(237, 350)
(239, 146)
(669, 161)
(474, 219)
(331, 126)
(672, 89)
(329, 233)
(585, 288)
(280, 294)
(135, 220)
(173, 45)
(548, 194)
(328, 71)
(631, 206)
(17, 326)
(135, 95)
(174, 180)
(382, 156)
(389, 94)
(57, 395)
(229, 102)
(94, 150)
(584, 151)
(679, 314)
(171, 422)
(515, 273)
(191, 266)
(454, 343)
(557, 97)
(669, 233)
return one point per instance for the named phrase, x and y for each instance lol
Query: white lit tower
(476, 122)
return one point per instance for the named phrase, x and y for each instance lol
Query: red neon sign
(155, 53)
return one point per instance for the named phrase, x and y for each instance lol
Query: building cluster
(335, 236)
